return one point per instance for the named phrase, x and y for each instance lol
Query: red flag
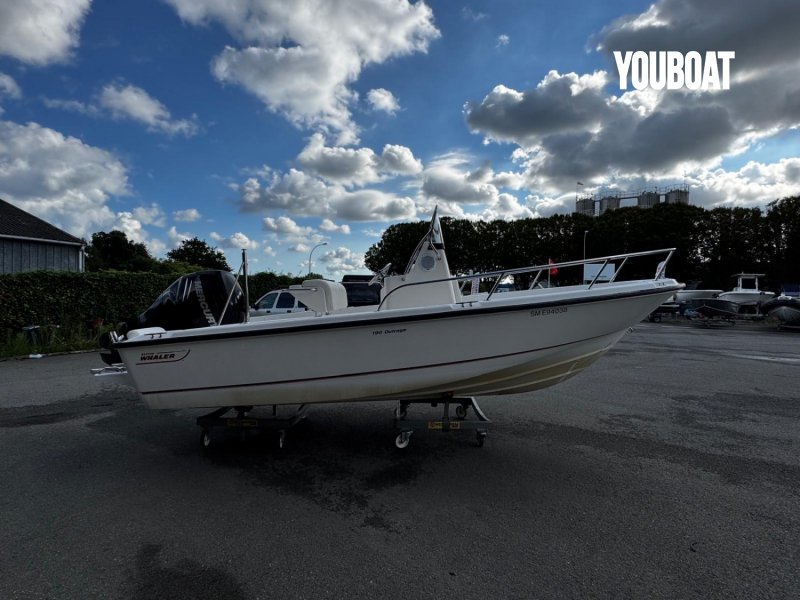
(553, 271)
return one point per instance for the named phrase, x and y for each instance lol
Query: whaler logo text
(162, 357)
(674, 70)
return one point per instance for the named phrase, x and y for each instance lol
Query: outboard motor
(192, 301)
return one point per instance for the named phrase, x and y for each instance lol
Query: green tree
(632, 229)
(711, 245)
(114, 251)
(173, 267)
(678, 226)
(462, 241)
(733, 242)
(396, 246)
(197, 252)
(782, 234)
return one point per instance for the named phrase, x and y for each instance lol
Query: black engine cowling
(192, 301)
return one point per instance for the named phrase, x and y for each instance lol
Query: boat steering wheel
(379, 275)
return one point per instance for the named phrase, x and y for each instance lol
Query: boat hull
(521, 342)
(745, 298)
(715, 307)
(687, 295)
(784, 309)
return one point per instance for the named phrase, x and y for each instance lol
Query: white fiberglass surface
(522, 298)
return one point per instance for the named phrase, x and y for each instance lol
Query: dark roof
(16, 223)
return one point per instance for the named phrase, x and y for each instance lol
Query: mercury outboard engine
(192, 301)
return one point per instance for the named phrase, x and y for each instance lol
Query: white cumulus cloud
(150, 215)
(188, 215)
(9, 87)
(300, 59)
(175, 237)
(570, 127)
(329, 226)
(41, 32)
(286, 226)
(304, 195)
(131, 102)
(448, 179)
(754, 184)
(59, 178)
(399, 160)
(356, 166)
(383, 100)
(342, 260)
(236, 241)
(349, 166)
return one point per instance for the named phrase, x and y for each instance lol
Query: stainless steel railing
(539, 269)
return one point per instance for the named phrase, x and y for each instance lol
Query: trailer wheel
(403, 439)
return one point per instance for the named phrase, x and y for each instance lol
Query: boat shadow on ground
(343, 461)
(340, 460)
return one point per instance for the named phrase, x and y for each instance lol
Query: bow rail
(539, 269)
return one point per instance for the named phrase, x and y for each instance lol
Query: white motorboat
(683, 299)
(686, 295)
(712, 308)
(424, 341)
(746, 293)
(786, 307)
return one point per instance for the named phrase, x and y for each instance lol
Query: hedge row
(78, 299)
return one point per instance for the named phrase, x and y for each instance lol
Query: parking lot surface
(668, 469)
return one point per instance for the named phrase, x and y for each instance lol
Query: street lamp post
(584, 243)
(312, 252)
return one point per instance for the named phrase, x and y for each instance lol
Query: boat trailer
(407, 427)
(243, 423)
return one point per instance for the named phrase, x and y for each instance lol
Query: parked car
(277, 302)
(360, 292)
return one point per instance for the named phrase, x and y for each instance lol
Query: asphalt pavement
(668, 469)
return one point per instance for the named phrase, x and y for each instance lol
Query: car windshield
(359, 293)
(285, 300)
(267, 301)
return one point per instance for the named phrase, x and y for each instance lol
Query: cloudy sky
(276, 126)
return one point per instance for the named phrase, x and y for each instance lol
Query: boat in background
(786, 306)
(681, 300)
(748, 297)
(689, 293)
(715, 308)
